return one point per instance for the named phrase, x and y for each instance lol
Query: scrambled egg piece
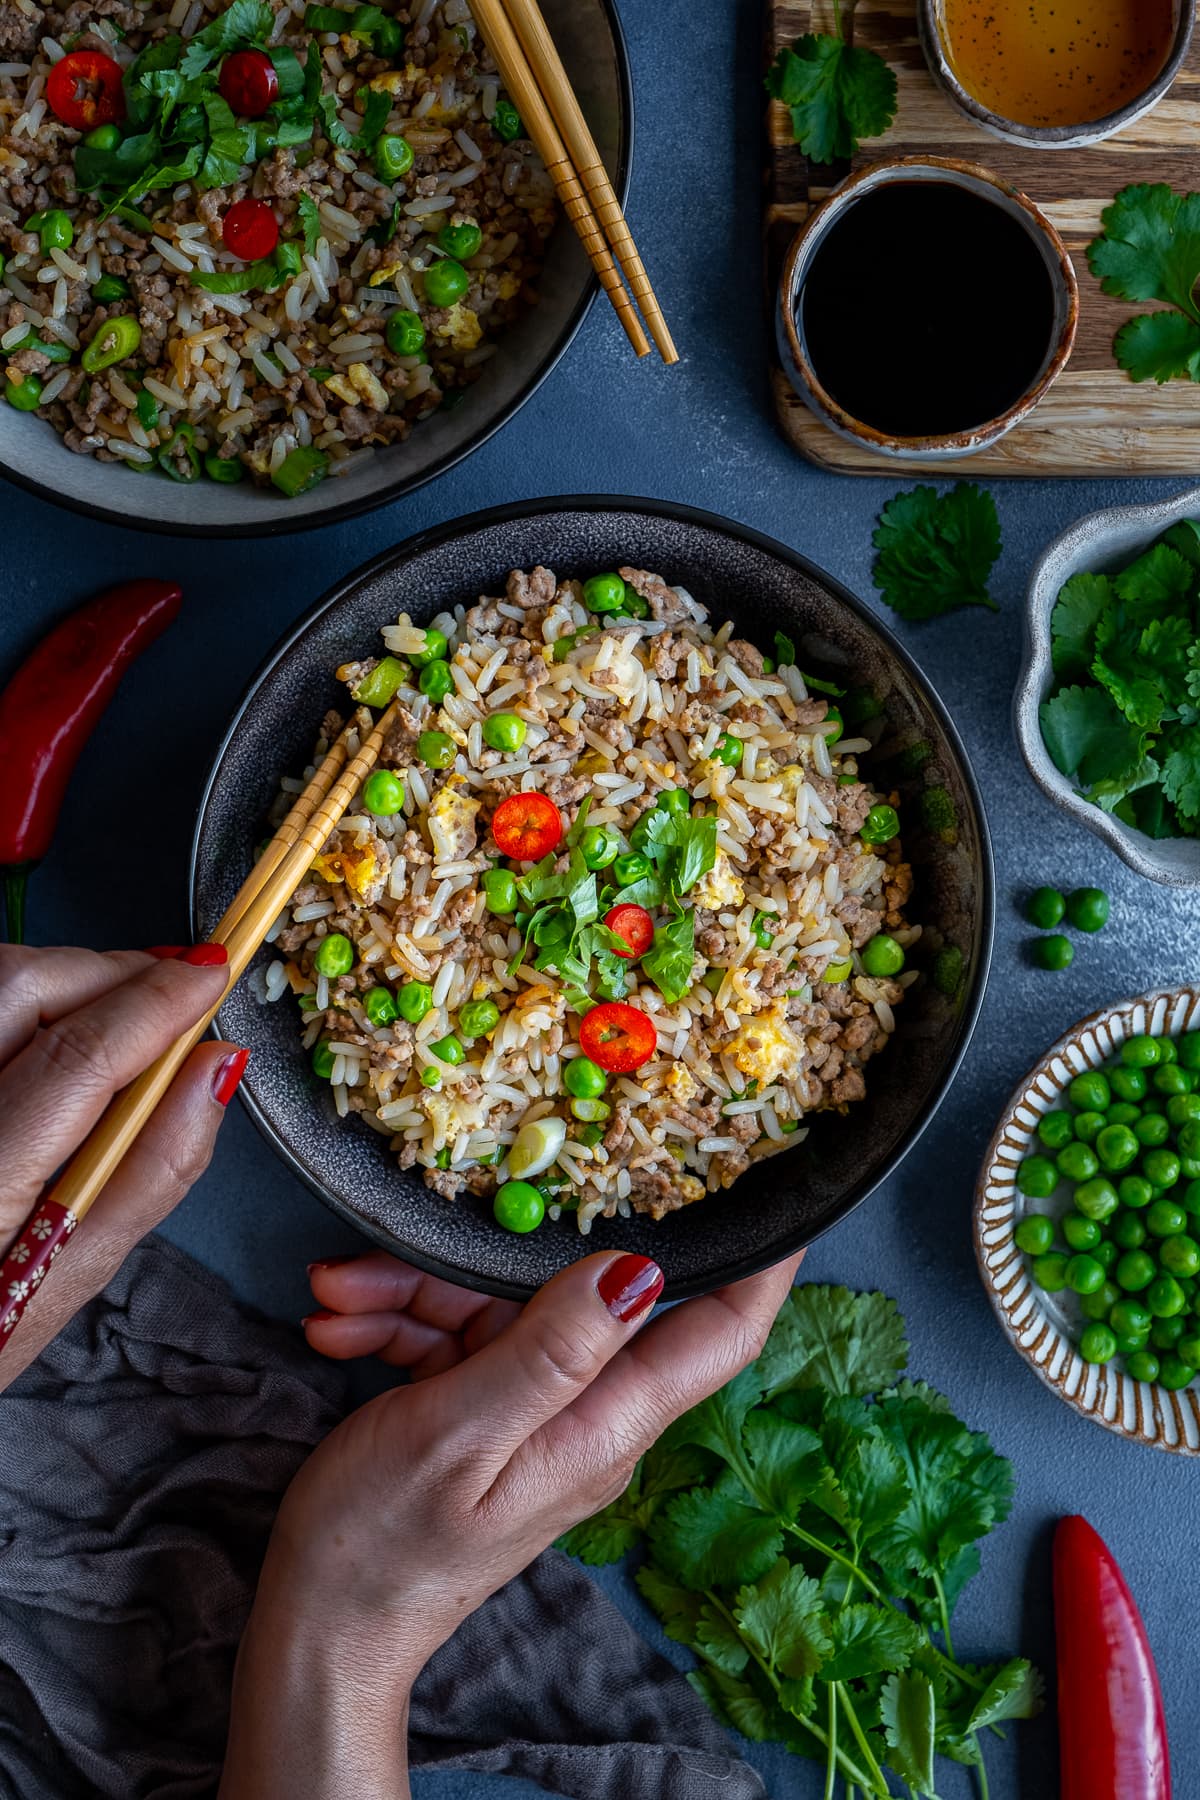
(384, 277)
(507, 286)
(359, 387)
(721, 887)
(680, 1083)
(451, 821)
(394, 81)
(764, 1047)
(461, 326)
(355, 866)
(439, 1110)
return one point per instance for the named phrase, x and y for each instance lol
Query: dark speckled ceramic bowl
(784, 1202)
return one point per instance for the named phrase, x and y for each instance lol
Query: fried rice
(301, 361)
(777, 1018)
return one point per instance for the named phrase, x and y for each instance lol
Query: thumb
(549, 1354)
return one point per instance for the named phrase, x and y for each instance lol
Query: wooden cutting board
(1094, 421)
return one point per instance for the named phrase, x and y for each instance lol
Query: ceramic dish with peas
(1088, 1218)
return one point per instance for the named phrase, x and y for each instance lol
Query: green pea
(434, 651)
(335, 955)
(880, 826)
(729, 750)
(1053, 952)
(405, 332)
(1101, 1303)
(1140, 1052)
(103, 137)
(1080, 1233)
(604, 593)
(446, 282)
(1129, 1318)
(584, 1079)
(394, 158)
(448, 1050)
(1168, 1051)
(435, 749)
(1135, 1191)
(1162, 1167)
(1089, 1125)
(1171, 1079)
(383, 794)
(506, 121)
(499, 890)
(1037, 1178)
(322, 1060)
(714, 980)
(1188, 1349)
(883, 957)
(414, 1000)
(1097, 1344)
(518, 1206)
(1087, 909)
(1045, 908)
(1050, 1272)
(1187, 1049)
(1117, 1147)
(631, 866)
(1123, 1112)
(1152, 1131)
(436, 681)
(1182, 1109)
(1174, 1373)
(1135, 1271)
(1190, 1198)
(833, 717)
(1142, 1365)
(24, 395)
(1180, 1256)
(1106, 1253)
(1165, 1218)
(1165, 1297)
(56, 231)
(380, 1006)
(1166, 1333)
(1055, 1129)
(431, 1077)
(1129, 1346)
(110, 288)
(504, 731)
(1095, 1199)
(1091, 1091)
(599, 846)
(1078, 1162)
(478, 1017)
(1084, 1274)
(1129, 1084)
(1189, 1167)
(1127, 1230)
(676, 801)
(460, 241)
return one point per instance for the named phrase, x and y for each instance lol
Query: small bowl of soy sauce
(925, 308)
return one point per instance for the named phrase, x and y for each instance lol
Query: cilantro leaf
(606, 1538)
(715, 1537)
(783, 1618)
(242, 22)
(677, 1607)
(1181, 771)
(786, 1458)
(1185, 537)
(716, 1423)
(719, 1641)
(1081, 603)
(1157, 581)
(1149, 248)
(908, 1709)
(830, 1338)
(669, 960)
(310, 222)
(936, 552)
(835, 92)
(785, 651)
(1088, 739)
(1014, 1692)
(377, 107)
(734, 1702)
(1158, 346)
(869, 1640)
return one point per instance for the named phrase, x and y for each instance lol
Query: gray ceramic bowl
(1101, 541)
(589, 38)
(786, 1201)
(930, 29)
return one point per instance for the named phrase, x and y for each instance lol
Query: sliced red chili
(84, 90)
(249, 83)
(618, 1037)
(250, 229)
(634, 924)
(527, 827)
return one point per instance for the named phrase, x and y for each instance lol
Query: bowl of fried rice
(287, 261)
(661, 924)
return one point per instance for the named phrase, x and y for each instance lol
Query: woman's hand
(431, 1497)
(76, 1026)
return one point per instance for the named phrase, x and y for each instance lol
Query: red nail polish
(206, 956)
(317, 1317)
(630, 1286)
(165, 952)
(229, 1072)
(333, 1262)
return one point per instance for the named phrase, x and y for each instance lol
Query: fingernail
(229, 1072)
(630, 1286)
(332, 1262)
(206, 956)
(317, 1317)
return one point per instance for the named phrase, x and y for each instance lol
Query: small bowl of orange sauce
(1057, 75)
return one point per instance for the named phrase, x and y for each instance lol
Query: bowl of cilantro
(1107, 708)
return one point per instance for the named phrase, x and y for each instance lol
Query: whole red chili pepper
(1113, 1738)
(51, 707)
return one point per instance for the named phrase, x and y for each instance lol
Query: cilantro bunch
(835, 92)
(1149, 249)
(809, 1544)
(1123, 721)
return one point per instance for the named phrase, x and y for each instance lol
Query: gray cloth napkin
(142, 1458)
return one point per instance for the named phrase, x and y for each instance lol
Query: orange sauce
(1057, 62)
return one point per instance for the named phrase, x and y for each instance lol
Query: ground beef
(20, 32)
(848, 1087)
(853, 805)
(537, 588)
(665, 604)
(747, 657)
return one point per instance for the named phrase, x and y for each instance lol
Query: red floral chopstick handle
(28, 1258)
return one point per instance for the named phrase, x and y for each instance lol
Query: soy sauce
(926, 310)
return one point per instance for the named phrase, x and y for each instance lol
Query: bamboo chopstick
(554, 83)
(242, 930)
(534, 111)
